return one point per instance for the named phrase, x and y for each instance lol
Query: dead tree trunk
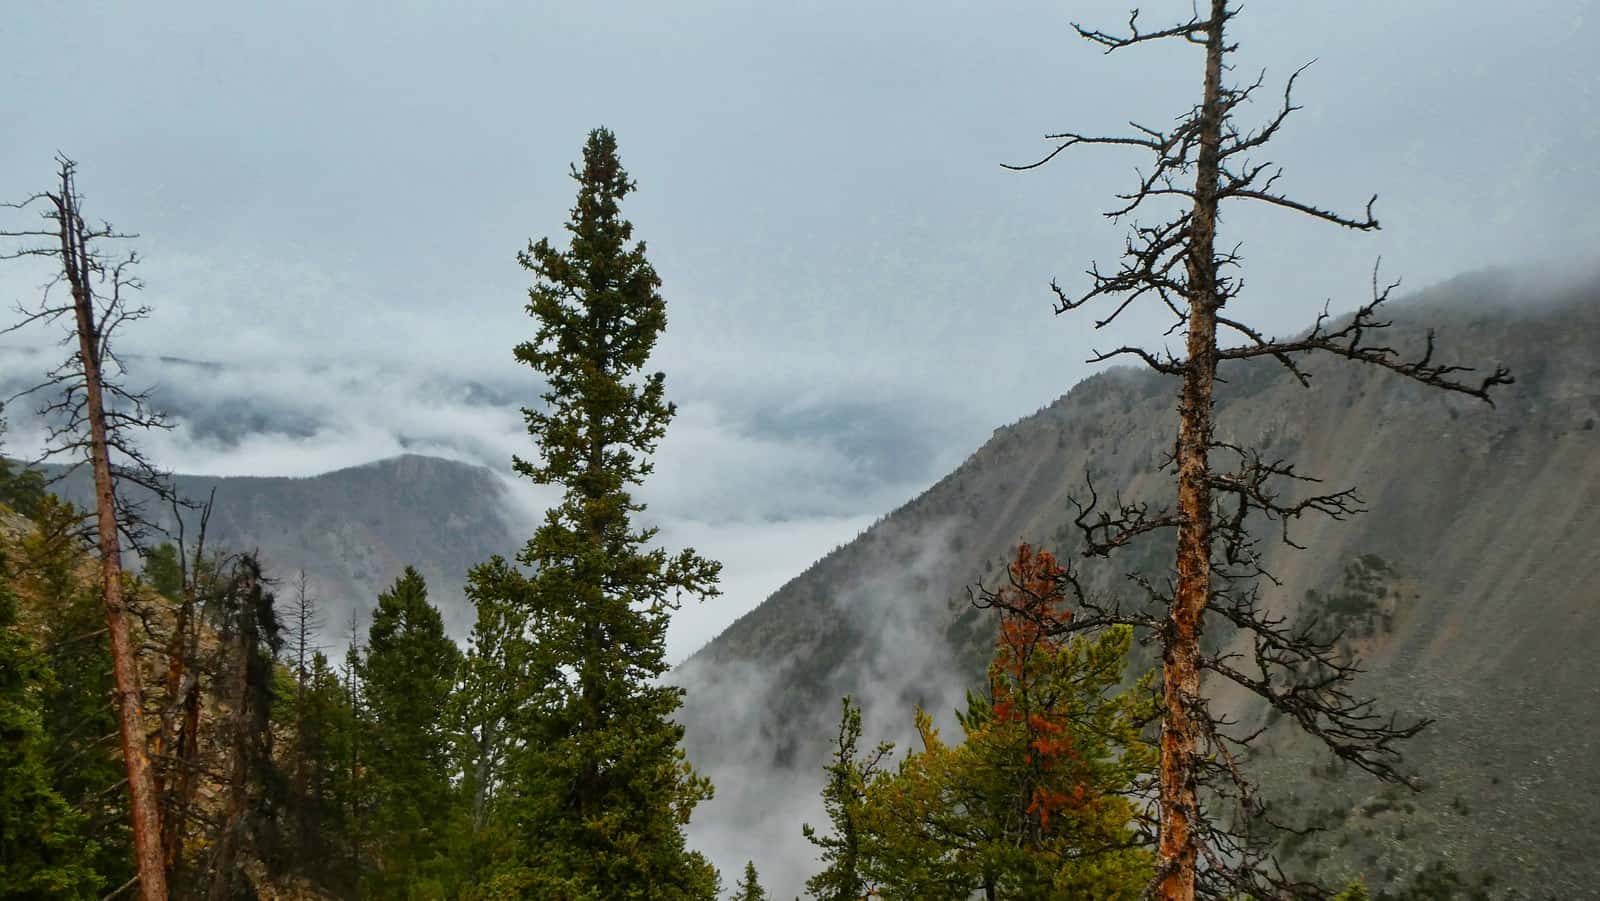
(1208, 816)
(143, 800)
(229, 838)
(179, 741)
(1180, 665)
(89, 415)
(305, 623)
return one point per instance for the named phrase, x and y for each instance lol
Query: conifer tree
(846, 851)
(304, 620)
(749, 888)
(495, 683)
(43, 853)
(604, 787)
(53, 569)
(1035, 802)
(21, 488)
(316, 757)
(406, 675)
(354, 785)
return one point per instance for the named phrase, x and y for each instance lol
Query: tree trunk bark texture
(143, 805)
(1180, 732)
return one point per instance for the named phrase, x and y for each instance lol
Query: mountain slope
(1482, 610)
(354, 530)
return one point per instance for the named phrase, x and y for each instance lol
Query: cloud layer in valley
(766, 491)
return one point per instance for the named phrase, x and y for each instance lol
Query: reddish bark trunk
(1181, 658)
(142, 798)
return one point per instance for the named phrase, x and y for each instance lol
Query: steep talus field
(354, 530)
(1469, 589)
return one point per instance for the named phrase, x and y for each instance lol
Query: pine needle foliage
(603, 790)
(749, 888)
(43, 853)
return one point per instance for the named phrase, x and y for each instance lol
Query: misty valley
(708, 562)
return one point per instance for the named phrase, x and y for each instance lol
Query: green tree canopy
(603, 787)
(43, 853)
(54, 571)
(1033, 803)
(847, 849)
(407, 673)
(749, 888)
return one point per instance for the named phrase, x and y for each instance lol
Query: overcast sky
(330, 195)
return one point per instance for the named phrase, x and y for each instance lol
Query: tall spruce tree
(316, 804)
(604, 789)
(407, 672)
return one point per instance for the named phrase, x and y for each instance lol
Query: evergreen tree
(495, 682)
(21, 488)
(54, 570)
(846, 850)
(1034, 803)
(317, 802)
(309, 727)
(749, 888)
(43, 853)
(604, 789)
(354, 782)
(162, 570)
(323, 812)
(407, 674)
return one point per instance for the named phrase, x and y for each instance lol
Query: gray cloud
(820, 182)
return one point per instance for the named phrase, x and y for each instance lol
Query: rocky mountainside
(354, 530)
(1468, 588)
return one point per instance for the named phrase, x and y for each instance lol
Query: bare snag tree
(91, 418)
(1207, 815)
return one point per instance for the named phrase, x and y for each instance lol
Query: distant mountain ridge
(354, 530)
(1480, 597)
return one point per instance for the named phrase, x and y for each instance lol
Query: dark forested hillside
(1468, 588)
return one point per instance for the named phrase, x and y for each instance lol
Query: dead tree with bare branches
(177, 746)
(1207, 818)
(92, 419)
(249, 639)
(304, 621)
